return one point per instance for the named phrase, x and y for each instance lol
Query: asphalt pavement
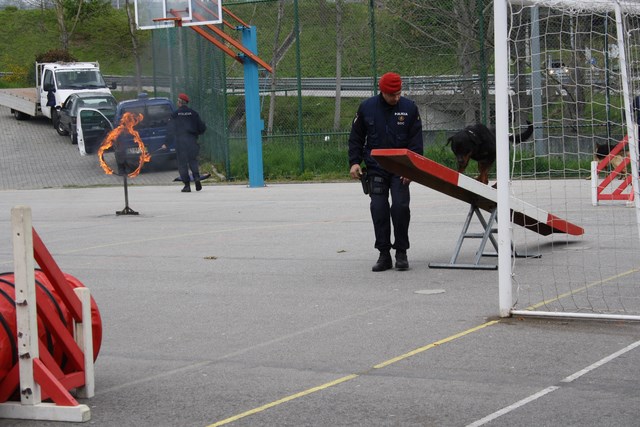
(257, 307)
(34, 156)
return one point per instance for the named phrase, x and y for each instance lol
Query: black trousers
(384, 214)
(126, 164)
(187, 155)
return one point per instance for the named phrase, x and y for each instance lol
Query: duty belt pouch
(364, 179)
(377, 185)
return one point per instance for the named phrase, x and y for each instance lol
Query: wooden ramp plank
(445, 180)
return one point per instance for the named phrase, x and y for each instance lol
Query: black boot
(401, 260)
(384, 262)
(198, 185)
(187, 187)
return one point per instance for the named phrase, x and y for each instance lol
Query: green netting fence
(327, 57)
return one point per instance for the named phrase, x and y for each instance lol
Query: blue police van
(93, 127)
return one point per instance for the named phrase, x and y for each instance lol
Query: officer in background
(185, 126)
(387, 120)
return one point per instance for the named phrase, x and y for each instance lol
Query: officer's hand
(405, 181)
(355, 171)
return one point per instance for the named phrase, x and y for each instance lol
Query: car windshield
(99, 103)
(80, 79)
(154, 115)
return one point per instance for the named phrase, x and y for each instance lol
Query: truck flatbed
(21, 100)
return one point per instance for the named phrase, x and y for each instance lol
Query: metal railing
(235, 85)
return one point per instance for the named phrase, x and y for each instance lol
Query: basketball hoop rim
(177, 21)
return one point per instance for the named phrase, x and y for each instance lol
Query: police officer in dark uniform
(185, 126)
(387, 120)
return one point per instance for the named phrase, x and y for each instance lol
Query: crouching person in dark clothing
(185, 126)
(387, 120)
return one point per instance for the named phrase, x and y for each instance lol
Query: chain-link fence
(326, 58)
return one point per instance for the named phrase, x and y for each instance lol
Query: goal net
(572, 68)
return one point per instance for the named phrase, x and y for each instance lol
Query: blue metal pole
(255, 125)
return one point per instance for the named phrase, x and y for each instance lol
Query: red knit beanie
(390, 83)
(184, 97)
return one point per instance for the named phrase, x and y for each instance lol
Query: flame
(127, 124)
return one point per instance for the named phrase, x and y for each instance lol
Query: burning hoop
(127, 124)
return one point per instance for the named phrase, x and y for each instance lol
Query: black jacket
(380, 125)
(185, 126)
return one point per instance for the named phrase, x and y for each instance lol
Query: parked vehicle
(68, 112)
(55, 81)
(93, 126)
(558, 70)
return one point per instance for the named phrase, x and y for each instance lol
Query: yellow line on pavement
(352, 376)
(283, 400)
(435, 344)
(582, 289)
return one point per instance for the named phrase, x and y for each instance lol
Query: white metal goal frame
(509, 283)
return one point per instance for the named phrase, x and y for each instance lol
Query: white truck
(55, 81)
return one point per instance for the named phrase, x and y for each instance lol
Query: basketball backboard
(152, 14)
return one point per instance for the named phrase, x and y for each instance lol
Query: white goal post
(572, 68)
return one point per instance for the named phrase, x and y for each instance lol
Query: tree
(134, 44)
(64, 9)
(69, 13)
(339, 49)
(445, 24)
(279, 51)
(60, 7)
(468, 49)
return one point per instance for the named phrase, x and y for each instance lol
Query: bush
(55, 55)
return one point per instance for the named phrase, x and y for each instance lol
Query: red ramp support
(54, 325)
(617, 183)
